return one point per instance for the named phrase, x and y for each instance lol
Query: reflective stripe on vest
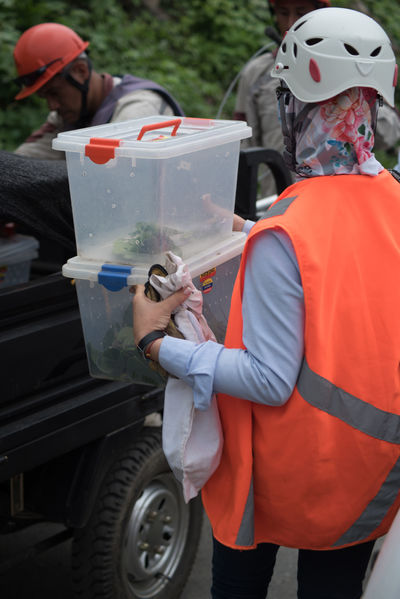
(245, 535)
(279, 208)
(375, 511)
(362, 528)
(362, 416)
(322, 394)
(325, 396)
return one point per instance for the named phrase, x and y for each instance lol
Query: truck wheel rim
(155, 537)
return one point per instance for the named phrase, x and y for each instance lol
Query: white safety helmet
(328, 51)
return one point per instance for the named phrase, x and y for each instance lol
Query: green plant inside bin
(119, 359)
(147, 238)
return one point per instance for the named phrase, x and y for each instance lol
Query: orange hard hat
(41, 52)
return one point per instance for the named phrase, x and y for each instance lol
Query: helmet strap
(289, 152)
(291, 127)
(374, 112)
(84, 89)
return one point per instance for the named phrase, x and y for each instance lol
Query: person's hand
(238, 223)
(151, 316)
(217, 213)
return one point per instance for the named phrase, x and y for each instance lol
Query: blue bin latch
(114, 276)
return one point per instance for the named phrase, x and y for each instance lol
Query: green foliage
(195, 48)
(192, 47)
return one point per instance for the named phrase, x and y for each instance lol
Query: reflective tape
(352, 410)
(375, 511)
(279, 208)
(362, 416)
(245, 536)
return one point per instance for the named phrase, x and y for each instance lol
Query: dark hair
(317, 4)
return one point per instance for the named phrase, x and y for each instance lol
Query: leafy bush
(192, 47)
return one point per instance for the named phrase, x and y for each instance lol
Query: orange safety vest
(323, 470)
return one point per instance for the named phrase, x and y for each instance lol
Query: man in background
(52, 61)
(256, 96)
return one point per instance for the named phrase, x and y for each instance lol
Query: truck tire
(141, 539)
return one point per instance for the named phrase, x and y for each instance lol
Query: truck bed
(49, 403)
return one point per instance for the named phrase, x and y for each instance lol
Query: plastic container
(16, 255)
(144, 186)
(105, 304)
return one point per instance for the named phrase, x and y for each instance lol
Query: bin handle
(173, 123)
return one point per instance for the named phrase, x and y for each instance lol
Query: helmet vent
(377, 51)
(351, 50)
(299, 25)
(295, 50)
(284, 47)
(312, 41)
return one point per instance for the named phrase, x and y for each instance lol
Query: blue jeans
(336, 574)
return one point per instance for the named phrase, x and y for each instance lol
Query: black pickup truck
(77, 450)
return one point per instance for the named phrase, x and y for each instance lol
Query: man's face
(288, 11)
(62, 97)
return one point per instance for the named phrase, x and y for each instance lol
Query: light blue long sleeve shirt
(273, 334)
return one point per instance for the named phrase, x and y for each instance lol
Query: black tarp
(34, 194)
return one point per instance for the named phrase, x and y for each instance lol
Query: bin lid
(18, 248)
(151, 137)
(127, 275)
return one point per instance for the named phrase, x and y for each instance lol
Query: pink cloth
(336, 137)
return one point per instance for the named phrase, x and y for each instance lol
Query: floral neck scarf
(333, 137)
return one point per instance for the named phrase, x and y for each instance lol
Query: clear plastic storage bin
(105, 304)
(16, 255)
(141, 187)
